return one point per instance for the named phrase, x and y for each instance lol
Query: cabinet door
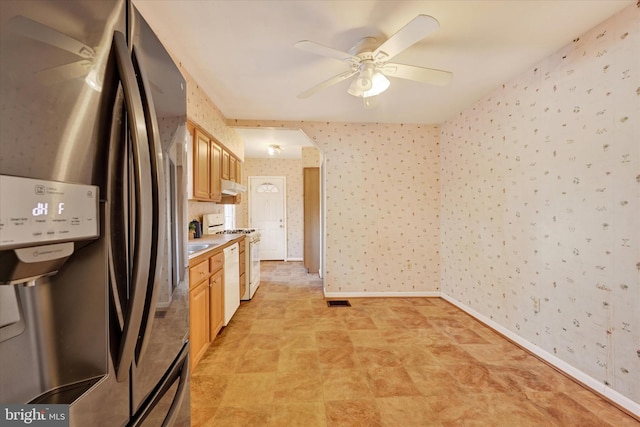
(199, 321)
(239, 171)
(225, 164)
(200, 166)
(232, 169)
(216, 304)
(215, 186)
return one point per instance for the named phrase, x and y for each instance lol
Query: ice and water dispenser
(48, 233)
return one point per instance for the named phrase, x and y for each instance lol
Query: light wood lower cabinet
(206, 299)
(216, 305)
(199, 300)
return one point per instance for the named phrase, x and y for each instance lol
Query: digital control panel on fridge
(35, 212)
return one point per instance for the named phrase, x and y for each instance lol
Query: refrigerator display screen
(35, 211)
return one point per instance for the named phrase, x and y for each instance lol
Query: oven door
(254, 248)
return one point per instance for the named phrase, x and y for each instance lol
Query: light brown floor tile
(414, 355)
(391, 382)
(406, 411)
(434, 380)
(352, 413)
(256, 361)
(311, 414)
(329, 339)
(364, 337)
(377, 357)
(207, 390)
(345, 384)
(604, 410)
(394, 362)
(294, 359)
(338, 357)
(477, 378)
(263, 341)
(249, 389)
(296, 386)
(462, 410)
(201, 415)
(250, 415)
(563, 410)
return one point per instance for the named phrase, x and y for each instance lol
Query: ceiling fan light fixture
(273, 150)
(380, 83)
(372, 84)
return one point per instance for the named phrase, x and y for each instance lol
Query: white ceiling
(258, 140)
(241, 52)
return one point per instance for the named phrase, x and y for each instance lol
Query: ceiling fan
(369, 60)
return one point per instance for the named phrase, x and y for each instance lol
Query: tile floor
(286, 359)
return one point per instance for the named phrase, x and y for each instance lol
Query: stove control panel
(35, 212)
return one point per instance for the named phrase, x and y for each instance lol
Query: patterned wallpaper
(311, 157)
(202, 111)
(292, 170)
(382, 204)
(541, 200)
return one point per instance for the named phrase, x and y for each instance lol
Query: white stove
(214, 224)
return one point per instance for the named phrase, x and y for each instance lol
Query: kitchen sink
(195, 247)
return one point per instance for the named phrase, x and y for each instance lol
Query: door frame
(252, 180)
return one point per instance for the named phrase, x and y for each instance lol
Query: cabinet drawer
(198, 272)
(216, 262)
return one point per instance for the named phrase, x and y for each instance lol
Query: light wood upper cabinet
(225, 164)
(215, 184)
(211, 163)
(233, 169)
(201, 166)
(207, 161)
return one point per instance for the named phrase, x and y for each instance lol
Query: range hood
(232, 188)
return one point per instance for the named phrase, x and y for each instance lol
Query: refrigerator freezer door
(55, 127)
(52, 112)
(164, 329)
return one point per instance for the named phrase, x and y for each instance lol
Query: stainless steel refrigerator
(93, 311)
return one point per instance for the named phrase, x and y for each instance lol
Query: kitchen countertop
(217, 241)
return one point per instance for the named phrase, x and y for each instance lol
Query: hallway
(286, 359)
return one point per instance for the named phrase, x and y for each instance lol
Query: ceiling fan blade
(322, 50)
(63, 73)
(417, 29)
(419, 74)
(37, 31)
(333, 80)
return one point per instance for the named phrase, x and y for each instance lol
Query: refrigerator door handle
(178, 371)
(157, 227)
(143, 204)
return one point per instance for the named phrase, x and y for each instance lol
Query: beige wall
(202, 111)
(382, 205)
(541, 204)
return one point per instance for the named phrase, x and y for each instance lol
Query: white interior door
(268, 214)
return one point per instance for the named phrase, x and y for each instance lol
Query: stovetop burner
(238, 231)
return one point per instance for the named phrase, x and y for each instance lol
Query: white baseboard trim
(293, 259)
(588, 381)
(380, 294)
